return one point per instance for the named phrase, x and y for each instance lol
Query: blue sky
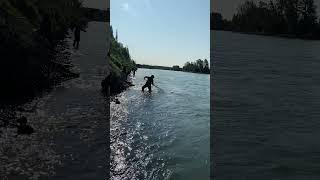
(163, 32)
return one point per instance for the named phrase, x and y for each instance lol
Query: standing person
(134, 71)
(148, 83)
(77, 36)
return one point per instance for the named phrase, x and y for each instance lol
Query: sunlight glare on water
(163, 134)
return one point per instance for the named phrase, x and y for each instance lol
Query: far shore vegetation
(286, 18)
(199, 66)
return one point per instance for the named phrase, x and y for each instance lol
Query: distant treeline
(153, 67)
(289, 18)
(199, 66)
(32, 34)
(217, 22)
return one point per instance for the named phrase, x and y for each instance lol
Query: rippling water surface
(163, 134)
(266, 103)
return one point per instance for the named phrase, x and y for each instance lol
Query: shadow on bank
(35, 53)
(33, 46)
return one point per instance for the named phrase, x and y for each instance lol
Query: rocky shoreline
(20, 157)
(62, 71)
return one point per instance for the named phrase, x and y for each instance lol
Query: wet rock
(6, 117)
(129, 83)
(23, 127)
(117, 101)
(22, 120)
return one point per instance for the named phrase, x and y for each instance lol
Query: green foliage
(120, 57)
(218, 23)
(277, 16)
(176, 68)
(199, 66)
(121, 64)
(291, 17)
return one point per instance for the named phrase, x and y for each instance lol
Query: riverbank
(68, 121)
(46, 81)
(12, 109)
(31, 156)
(35, 52)
(32, 48)
(121, 65)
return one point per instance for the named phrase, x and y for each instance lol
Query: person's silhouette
(76, 40)
(134, 71)
(148, 83)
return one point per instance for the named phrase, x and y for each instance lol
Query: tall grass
(121, 65)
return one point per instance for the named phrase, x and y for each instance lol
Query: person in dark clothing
(106, 83)
(134, 71)
(148, 83)
(76, 41)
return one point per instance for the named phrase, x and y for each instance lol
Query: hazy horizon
(163, 33)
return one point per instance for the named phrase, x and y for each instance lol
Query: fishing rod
(159, 88)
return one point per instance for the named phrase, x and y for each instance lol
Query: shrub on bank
(121, 65)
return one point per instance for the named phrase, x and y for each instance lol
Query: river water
(163, 134)
(266, 101)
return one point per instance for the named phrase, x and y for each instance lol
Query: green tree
(121, 64)
(206, 68)
(176, 68)
(308, 19)
(199, 66)
(295, 17)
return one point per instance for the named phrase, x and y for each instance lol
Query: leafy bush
(121, 65)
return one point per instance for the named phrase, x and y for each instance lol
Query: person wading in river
(134, 71)
(148, 83)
